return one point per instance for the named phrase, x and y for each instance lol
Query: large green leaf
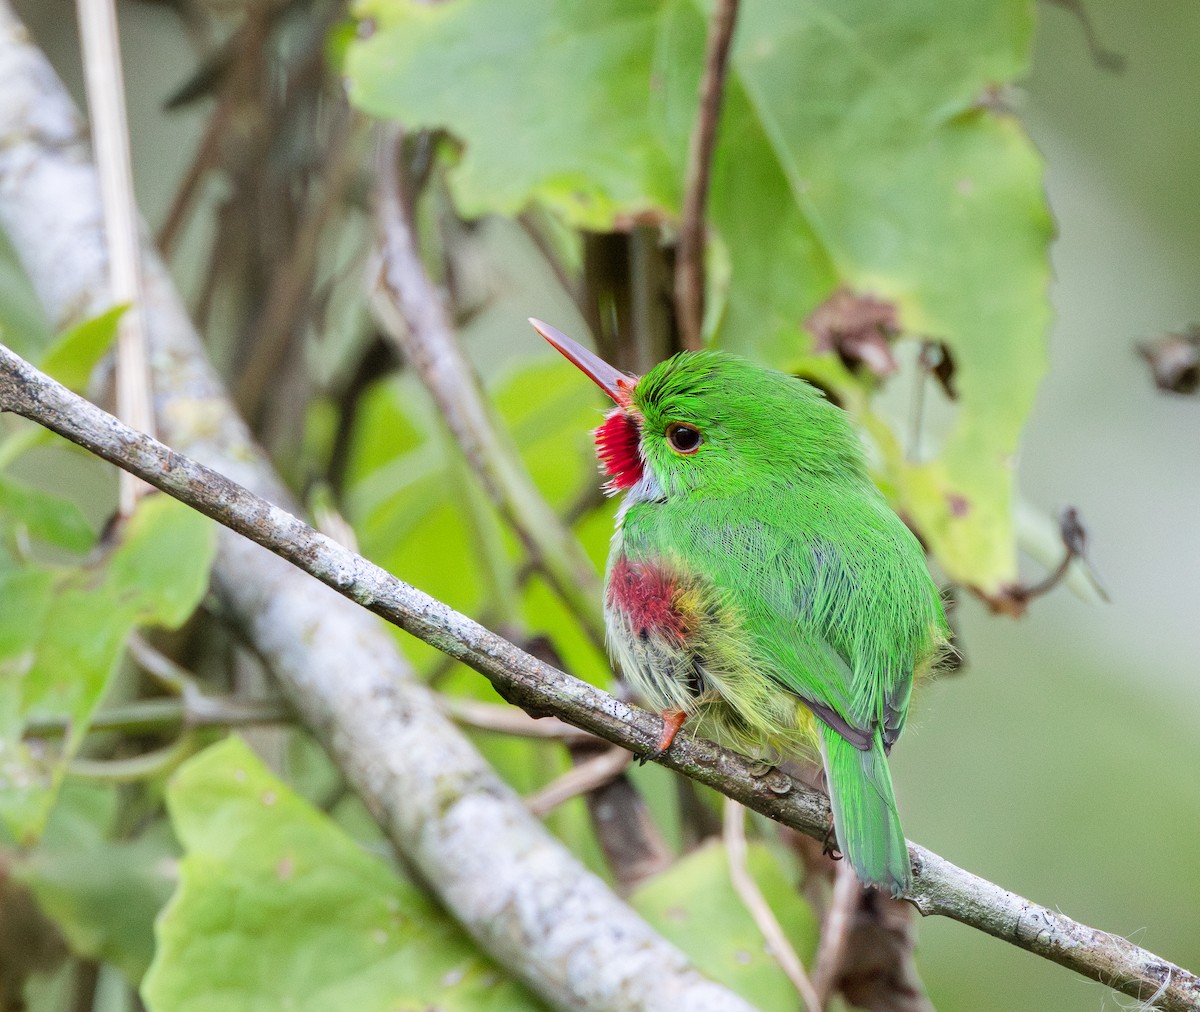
(62, 634)
(695, 906)
(277, 908)
(562, 98)
(862, 145)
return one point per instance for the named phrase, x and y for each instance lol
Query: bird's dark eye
(683, 438)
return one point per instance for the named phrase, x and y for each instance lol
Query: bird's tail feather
(865, 819)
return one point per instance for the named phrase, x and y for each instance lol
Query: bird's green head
(713, 422)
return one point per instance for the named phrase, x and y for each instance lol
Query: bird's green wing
(844, 632)
(828, 630)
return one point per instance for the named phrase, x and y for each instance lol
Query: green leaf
(861, 145)
(26, 594)
(694, 905)
(102, 893)
(64, 664)
(49, 518)
(160, 571)
(597, 156)
(289, 912)
(71, 358)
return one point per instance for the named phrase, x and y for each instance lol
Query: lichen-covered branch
(939, 887)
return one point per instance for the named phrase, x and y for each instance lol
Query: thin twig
(148, 715)
(939, 887)
(205, 158)
(531, 224)
(429, 343)
(587, 776)
(110, 138)
(510, 720)
(173, 677)
(134, 768)
(689, 262)
(835, 932)
(734, 836)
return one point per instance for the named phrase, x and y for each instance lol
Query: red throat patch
(617, 442)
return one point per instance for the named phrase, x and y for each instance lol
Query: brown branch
(633, 845)
(689, 257)
(290, 290)
(939, 887)
(206, 157)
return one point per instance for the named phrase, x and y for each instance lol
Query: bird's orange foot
(672, 722)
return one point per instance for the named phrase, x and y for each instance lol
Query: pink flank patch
(617, 447)
(648, 598)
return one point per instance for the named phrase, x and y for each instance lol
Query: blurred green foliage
(63, 628)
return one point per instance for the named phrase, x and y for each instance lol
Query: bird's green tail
(864, 812)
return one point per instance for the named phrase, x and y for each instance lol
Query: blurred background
(1063, 762)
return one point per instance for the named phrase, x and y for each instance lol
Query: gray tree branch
(939, 887)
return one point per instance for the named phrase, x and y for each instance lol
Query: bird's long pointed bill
(611, 380)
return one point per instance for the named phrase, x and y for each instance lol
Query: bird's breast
(650, 599)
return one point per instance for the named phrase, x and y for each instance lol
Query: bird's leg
(829, 844)
(672, 721)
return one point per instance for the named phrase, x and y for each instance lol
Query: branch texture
(939, 887)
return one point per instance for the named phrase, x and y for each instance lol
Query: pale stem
(510, 720)
(428, 341)
(733, 832)
(110, 140)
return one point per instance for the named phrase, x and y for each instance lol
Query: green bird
(758, 582)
